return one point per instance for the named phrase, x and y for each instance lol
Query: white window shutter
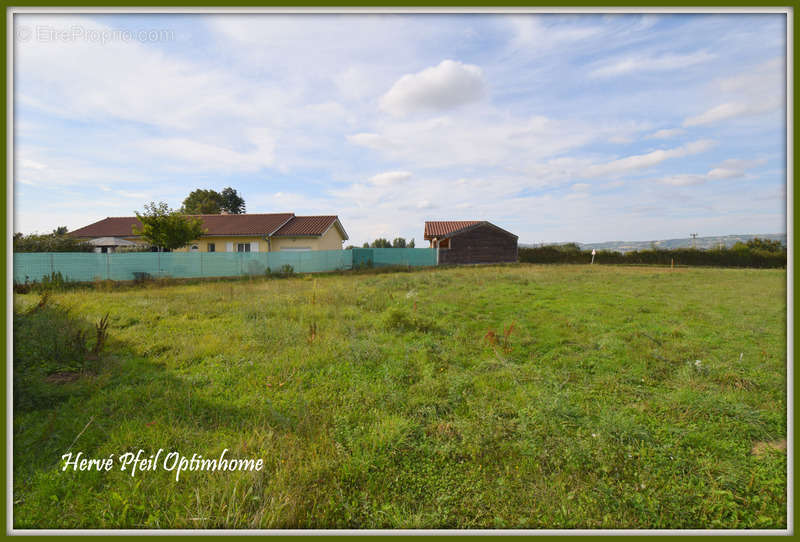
(229, 247)
(254, 246)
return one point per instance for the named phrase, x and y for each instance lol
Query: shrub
(50, 342)
(54, 282)
(400, 319)
(52, 242)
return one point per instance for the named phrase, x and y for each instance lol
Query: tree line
(399, 242)
(56, 241)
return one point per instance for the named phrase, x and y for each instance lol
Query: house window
(195, 248)
(243, 247)
(211, 247)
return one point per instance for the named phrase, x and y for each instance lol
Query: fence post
(52, 266)
(108, 265)
(201, 265)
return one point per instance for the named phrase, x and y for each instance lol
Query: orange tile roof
(281, 224)
(246, 224)
(443, 228)
(307, 225)
(113, 226)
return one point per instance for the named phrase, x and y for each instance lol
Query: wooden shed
(471, 241)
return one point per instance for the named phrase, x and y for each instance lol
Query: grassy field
(491, 397)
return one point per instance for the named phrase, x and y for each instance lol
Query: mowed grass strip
(515, 396)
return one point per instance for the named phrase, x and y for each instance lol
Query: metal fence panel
(89, 266)
(381, 257)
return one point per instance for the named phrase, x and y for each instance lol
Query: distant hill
(686, 242)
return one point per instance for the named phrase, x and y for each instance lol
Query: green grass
(382, 401)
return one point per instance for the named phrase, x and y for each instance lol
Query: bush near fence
(726, 257)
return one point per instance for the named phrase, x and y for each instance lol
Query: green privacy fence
(88, 266)
(381, 257)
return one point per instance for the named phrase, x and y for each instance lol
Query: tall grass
(603, 397)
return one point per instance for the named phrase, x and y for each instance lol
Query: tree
(767, 245)
(232, 202)
(381, 243)
(203, 202)
(569, 247)
(211, 202)
(166, 228)
(399, 242)
(61, 230)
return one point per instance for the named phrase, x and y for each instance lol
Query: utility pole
(694, 240)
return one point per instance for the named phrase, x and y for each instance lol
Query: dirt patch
(761, 448)
(62, 377)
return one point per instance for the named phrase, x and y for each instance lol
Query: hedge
(727, 257)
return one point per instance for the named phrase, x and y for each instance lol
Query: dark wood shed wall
(482, 244)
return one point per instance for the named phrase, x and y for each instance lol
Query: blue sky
(556, 127)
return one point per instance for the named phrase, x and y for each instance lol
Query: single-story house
(238, 233)
(471, 241)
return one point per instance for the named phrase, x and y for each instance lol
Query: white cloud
(530, 33)
(728, 111)
(26, 163)
(759, 80)
(621, 139)
(666, 133)
(631, 163)
(733, 168)
(390, 178)
(356, 83)
(448, 85)
(665, 62)
(685, 179)
(756, 91)
(42, 167)
(201, 156)
(485, 139)
(189, 108)
(581, 187)
(94, 80)
(741, 164)
(366, 139)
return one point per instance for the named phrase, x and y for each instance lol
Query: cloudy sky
(556, 127)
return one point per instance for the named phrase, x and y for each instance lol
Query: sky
(571, 127)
